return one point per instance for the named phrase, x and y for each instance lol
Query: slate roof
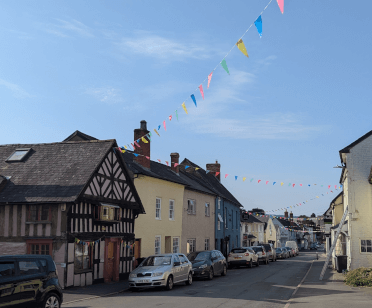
(79, 136)
(51, 172)
(264, 219)
(251, 219)
(157, 170)
(351, 145)
(212, 183)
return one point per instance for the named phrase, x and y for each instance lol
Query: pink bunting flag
(293, 185)
(159, 160)
(165, 128)
(167, 163)
(267, 182)
(209, 79)
(226, 175)
(170, 118)
(281, 5)
(135, 142)
(301, 185)
(329, 186)
(148, 157)
(258, 181)
(201, 91)
(176, 164)
(217, 173)
(133, 146)
(335, 186)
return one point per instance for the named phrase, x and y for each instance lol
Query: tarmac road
(264, 286)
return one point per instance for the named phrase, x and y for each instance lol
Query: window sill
(38, 222)
(83, 271)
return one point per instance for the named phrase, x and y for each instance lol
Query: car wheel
(169, 285)
(189, 280)
(51, 300)
(210, 273)
(258, 262)
(230, 266)
(224, 271)
(133, 289)
(267, 261)
(250, 264)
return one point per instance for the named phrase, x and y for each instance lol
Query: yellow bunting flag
(281, 184)
(123, 151)
(144, 140)
(184, 107)
(125, 147)
(241, 47)
(197, 169)
(317, 196)
(244, 179)
(156, 132)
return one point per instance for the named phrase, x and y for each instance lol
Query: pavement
(329, 292)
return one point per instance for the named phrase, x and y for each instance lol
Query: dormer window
(19, 154)
(108, 212)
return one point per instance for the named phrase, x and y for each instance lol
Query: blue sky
(282, 115)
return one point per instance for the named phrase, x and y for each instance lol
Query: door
(137, 249)
(33, 276)
(177, 270)
(215, 263)
(110, 261)
(168, 244)
(184, 267)
(9, 290)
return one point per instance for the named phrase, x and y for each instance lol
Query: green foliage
(360, 277)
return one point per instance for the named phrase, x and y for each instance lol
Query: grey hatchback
(29, 279)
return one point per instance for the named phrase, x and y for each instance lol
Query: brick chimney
(175, 160)
(286, 214)
(145, 147)
(215, 168)
(291, 218)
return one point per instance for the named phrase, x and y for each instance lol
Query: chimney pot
(286, 214)
(143, 125)
(144, 149)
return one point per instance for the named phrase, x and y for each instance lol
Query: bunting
(184, 107)
(258, 24)
(209, 79)
(281, 5)
(242, 48)
(193, 99)
(165, 128)
(224, 65)
(201, 91)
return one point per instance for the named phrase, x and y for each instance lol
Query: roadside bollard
(317, 256)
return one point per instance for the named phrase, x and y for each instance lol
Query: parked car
(29, 279)
(286, 252)
(161, 271)
(208, 263)
(293, 245)
(262, 255)
(270, 251)
(242, 256)
(291, 252)
(281, 253)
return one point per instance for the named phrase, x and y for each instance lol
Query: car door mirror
(176, 263)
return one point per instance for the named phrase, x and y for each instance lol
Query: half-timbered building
(73, 200)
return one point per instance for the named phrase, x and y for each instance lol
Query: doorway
(137, 248)
(168, 244)
(111, 268)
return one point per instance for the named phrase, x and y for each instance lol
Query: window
(39, 247)
(225, 219)
(219, 203)
(182, 259)
(171, 209)
(191, 245)
(158, 209)
(83, 260)
(157, 244)
(206, 244)
(176, 245)
(109, 212)
(39, 213)
(29, 267)
(366, 245)
(218, 225)
(6, 269)
(271, 232)
(176, 259)
(18, 154)
(207, 210)
(246, 229)
(191, 210)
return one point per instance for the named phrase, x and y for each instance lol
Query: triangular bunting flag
(197, 169)
(176, 115)
(274, 183)
(281, 184)
(258, 24)
(236, 177)
(281, 5)
(226, 175)
(242, 48)
(133, 146)
(148, 157)
(184, 107)
(135, 154)
(267, 182)
(258, 181)
(186, 167)
(144, 140)
(170, 118)
(244, 179)
(201, 91)
(125, 147)
(156, 132)
(149, 135)
(159, 127)
(217, 173)
(176, 164)
(209, 79)
(167, 163)
(165, 128)
(224, 65)
(159, 160)
(194, 100)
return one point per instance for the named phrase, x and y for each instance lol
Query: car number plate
(237, 257)
(143, 281)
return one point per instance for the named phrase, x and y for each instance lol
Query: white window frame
(206, 244)
(158, 240)
(176, 246)
(191, 245)
(226, 227)
(191, 210)
(219, 203)
(171, 209)
(218, 224)
(365, 246)
(158, 209)
(207, 209)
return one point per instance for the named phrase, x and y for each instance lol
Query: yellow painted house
(161, 190)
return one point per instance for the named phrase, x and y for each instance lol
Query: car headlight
(132, 275)
(157, 274)
(203, 266)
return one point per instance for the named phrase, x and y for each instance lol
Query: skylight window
(18, 155)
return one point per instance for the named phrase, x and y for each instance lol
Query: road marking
(294, 292)
(98, 296)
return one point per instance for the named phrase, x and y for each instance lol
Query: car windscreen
(157, 261)
(257, 249)
(199, 256)
(238, 250)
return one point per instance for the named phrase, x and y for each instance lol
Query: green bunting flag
(224, 65)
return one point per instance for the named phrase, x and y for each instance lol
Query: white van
(293, 245)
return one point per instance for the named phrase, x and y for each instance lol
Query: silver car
(161, 271)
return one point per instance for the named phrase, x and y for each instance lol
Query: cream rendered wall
(358, 196)
(270, 236)
(146, 226)
(198, 226)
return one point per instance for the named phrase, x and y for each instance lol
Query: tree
(313, 215)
